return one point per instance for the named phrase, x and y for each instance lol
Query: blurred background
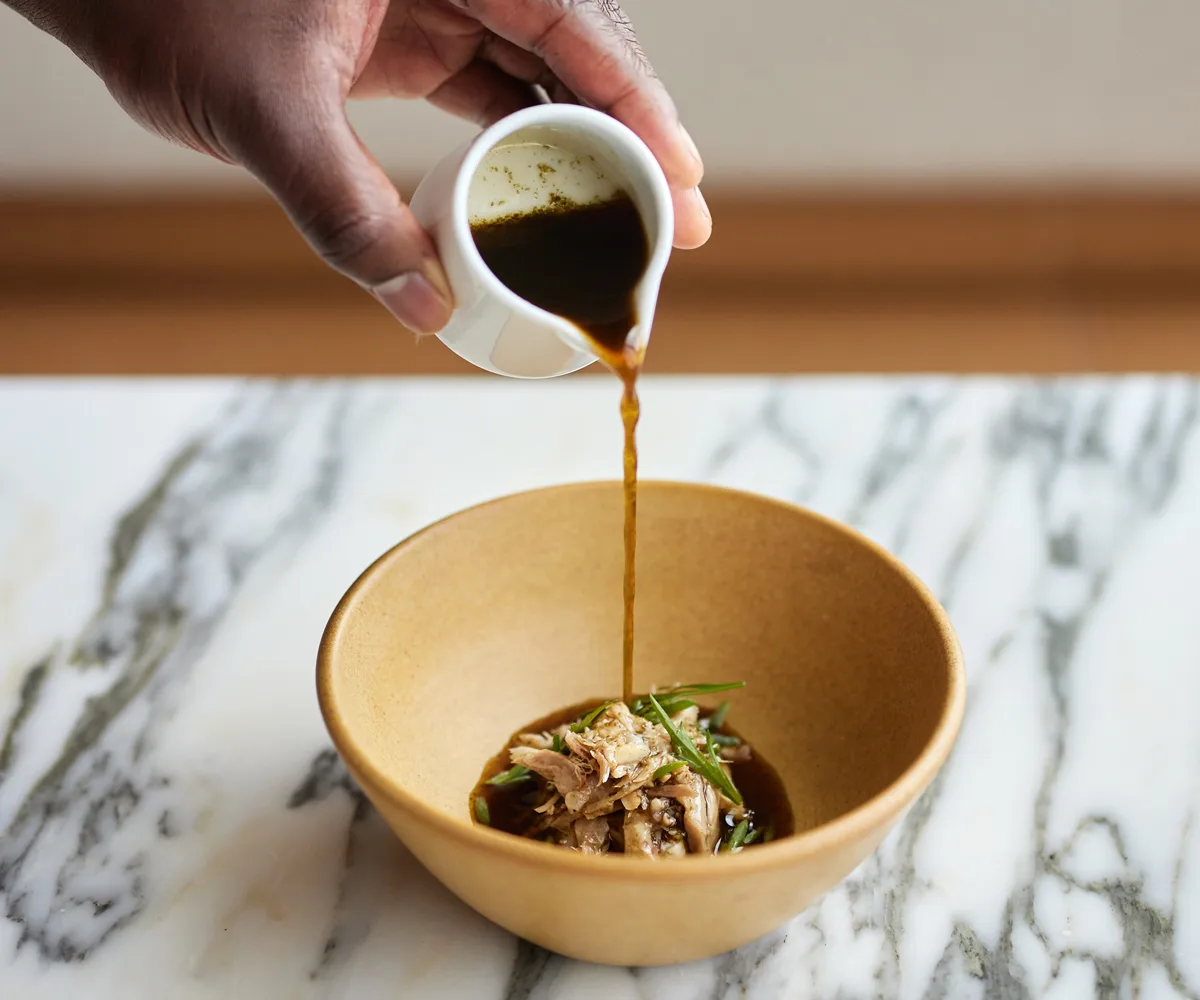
(934, 185)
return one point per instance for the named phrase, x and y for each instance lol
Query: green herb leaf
(679, 693)
(512, 776)
(688, 690)
(710, 751)
(708, 767)
(677, 705)
(482, 813)
(670, 768)
(558, 746)
(738, 837)
(752, 836)
(587, 720)
(717, 719)
(723, 740)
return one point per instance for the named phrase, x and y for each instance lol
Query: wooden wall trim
(792, 281)
(929, 240)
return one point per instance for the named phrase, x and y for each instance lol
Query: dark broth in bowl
(511, 805)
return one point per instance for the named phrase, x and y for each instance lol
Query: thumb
(340, 199)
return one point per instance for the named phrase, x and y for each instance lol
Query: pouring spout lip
(646, 298)
(622, 139)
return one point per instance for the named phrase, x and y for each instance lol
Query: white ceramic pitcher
(491, 326)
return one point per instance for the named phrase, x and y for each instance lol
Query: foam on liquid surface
(524, 176)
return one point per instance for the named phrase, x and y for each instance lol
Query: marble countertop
(174, 823)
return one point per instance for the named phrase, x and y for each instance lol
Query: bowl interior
(505, 612)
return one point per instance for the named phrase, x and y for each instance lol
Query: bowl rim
(855, 824)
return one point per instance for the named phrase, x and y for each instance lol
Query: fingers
(590, 46)
(483, 94)
(524, 65)
(483, 83)
(693, 221)
(345, 206)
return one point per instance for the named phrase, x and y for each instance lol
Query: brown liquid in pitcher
(584, 262)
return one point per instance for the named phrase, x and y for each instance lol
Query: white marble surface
(173, 823)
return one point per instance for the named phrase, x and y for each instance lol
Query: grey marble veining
(264, 470)
(174, 822)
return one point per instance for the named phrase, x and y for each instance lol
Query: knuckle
(347, 236)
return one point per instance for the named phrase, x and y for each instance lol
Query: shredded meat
(601, 793)
(701, 816)
(639, 833)
(739, 754)
(561, 771)
(677, 789)
(688, 719)
(664, 813)
(592, 835)
(621, 744)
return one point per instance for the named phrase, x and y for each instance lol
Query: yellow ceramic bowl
(500, 614)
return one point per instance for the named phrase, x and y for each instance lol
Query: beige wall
(794, 90)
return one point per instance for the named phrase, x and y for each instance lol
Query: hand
(264, 83)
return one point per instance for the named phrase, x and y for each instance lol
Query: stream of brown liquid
(630, 411)
(584, 262)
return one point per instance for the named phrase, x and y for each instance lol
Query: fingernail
(437, 278)
(415, 302)
(690, 143)
(700, 203)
